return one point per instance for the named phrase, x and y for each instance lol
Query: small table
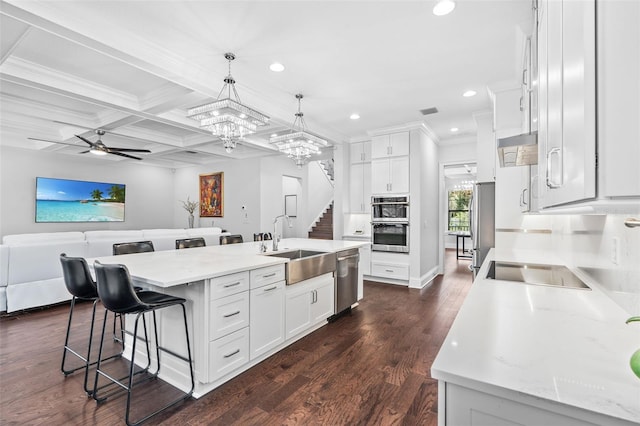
(461, 236)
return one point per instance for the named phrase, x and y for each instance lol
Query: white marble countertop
(174, 267)
(564, 345)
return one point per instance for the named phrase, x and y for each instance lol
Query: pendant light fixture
(299, 144)
(227, 117)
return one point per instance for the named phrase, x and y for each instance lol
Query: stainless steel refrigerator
(482, 213)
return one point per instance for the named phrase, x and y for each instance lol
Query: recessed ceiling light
(454, 129)
(354, 116)
(276, 67)
(444, 7)
(469, 93)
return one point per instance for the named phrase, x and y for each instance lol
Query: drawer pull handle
(273, 274)
(388, 270)
(231, 314)
(232, 353)
(271, 288)
(232, 285)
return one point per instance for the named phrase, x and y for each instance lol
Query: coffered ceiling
(133, 68)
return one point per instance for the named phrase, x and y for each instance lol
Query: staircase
(323, 229)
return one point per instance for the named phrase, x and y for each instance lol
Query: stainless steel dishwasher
(346, 279)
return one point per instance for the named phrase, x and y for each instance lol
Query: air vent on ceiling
(428, 111)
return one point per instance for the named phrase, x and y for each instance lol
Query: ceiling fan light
(97, 152)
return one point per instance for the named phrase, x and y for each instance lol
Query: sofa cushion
(100, 243)
(38, 262)
(211, 235)
(42, 237)
(164, 239)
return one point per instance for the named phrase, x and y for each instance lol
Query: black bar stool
(117, 293)
(80, 284)
(190, 242)
(134, 247)
(231, 239)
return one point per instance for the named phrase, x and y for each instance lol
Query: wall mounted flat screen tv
(62, 200)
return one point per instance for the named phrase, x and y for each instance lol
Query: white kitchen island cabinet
(309, 304)
(236, 305)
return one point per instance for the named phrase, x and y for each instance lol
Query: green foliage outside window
(459, 210)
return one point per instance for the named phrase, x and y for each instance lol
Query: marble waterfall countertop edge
(564, 345)
(175, 267)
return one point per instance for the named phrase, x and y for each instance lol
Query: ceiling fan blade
(124, 155)
(61, 143)
(91, 144)
(84, 152)
(128, 150)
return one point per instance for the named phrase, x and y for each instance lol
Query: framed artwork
(291, 205)
(212, 195)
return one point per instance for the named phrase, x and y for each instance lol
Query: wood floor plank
(370, 367)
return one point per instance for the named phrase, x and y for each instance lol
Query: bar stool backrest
(115, 288)
(133, 247)
(190, 243)
(231, 239)
(77, 277)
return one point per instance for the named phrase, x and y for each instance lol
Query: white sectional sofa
(30, 272)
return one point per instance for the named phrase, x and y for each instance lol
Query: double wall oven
(390, 224)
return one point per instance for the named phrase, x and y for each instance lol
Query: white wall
(242, 186)
(149, 190)
(462, 150)
(424, 169)
(292, 186)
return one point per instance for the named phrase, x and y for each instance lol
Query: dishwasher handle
(341, 259)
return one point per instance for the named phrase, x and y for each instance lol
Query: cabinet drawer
(228, 314)
(387, 270)
(229, 284)
(228, 353)
(268, 275)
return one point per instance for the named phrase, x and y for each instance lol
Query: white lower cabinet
(308, 303)
(267, 318)
(470, 407)
(228, 353)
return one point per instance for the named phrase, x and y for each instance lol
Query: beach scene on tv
(61, 200)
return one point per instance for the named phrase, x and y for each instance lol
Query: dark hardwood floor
(371, 367)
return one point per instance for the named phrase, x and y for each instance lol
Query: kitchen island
(239, 309)
(532, 354)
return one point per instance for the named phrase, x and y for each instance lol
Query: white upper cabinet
(619, 98)
(390, 176)
(589, 151)
(360, 188)
(360, 152)
(567, 137)
(391, 145)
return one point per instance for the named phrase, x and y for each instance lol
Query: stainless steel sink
(531, 273)
(305, 264)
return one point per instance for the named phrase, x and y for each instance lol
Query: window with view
(459, 200)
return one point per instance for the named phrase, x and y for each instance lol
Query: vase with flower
(190, 206)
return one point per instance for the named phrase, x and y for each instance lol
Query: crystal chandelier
(228, 118)
(299, 144)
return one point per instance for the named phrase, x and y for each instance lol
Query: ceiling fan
(99, 148)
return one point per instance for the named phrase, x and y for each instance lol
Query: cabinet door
(619, 98)
(399, 172)
(356, 154)
(298, 311)
(360, 188)
(540, 188)
(380, 146)
(380, 173)
(525, 188)
(366, 151)
(323, 303)
(267, 318)
(569, 152)
(399, 144)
